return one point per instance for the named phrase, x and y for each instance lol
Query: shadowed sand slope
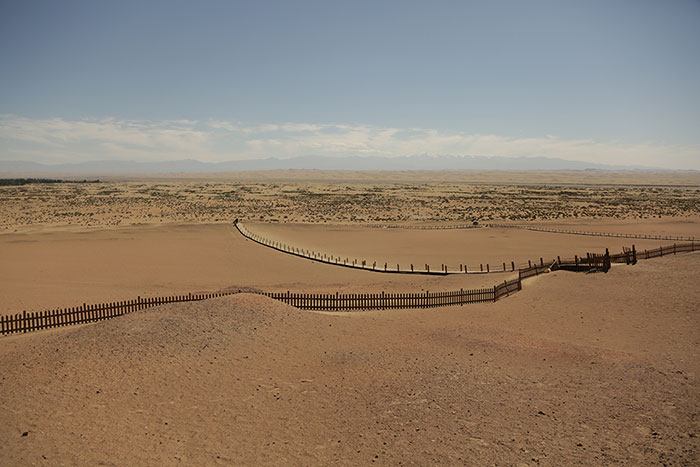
(574, 369)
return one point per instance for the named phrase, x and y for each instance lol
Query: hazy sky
(608, 81)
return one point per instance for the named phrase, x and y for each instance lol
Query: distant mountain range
(310, 162)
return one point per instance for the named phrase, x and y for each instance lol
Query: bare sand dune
(245, 380)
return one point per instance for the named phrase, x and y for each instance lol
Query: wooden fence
(535, 270)
(628, 255)
(594, 234)
(668, 250)
(419, 227)
(529, 227)
(503, 267)
(34, 321)
(382, 301)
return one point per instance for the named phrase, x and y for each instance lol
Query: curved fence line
(387, 268)
(383, 301)
(34, 321)
(594, 234)
(421, 227)
(528, 227)
(28, 322)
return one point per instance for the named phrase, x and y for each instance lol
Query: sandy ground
(62, 269)
(58, 268)
(531, 380)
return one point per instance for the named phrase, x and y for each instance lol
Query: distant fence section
(482, 268)
(594, 234)
(421, 227)
(474, 225)
(387, 268)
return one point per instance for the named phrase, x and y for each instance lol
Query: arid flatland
(323, 197)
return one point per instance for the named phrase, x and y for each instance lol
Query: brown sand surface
(574, 370)
(59, 269)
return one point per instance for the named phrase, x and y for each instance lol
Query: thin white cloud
(63, 140)
(101, 139)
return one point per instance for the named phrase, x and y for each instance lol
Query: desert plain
(575, 369)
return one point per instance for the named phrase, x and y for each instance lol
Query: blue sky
(609, 81)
